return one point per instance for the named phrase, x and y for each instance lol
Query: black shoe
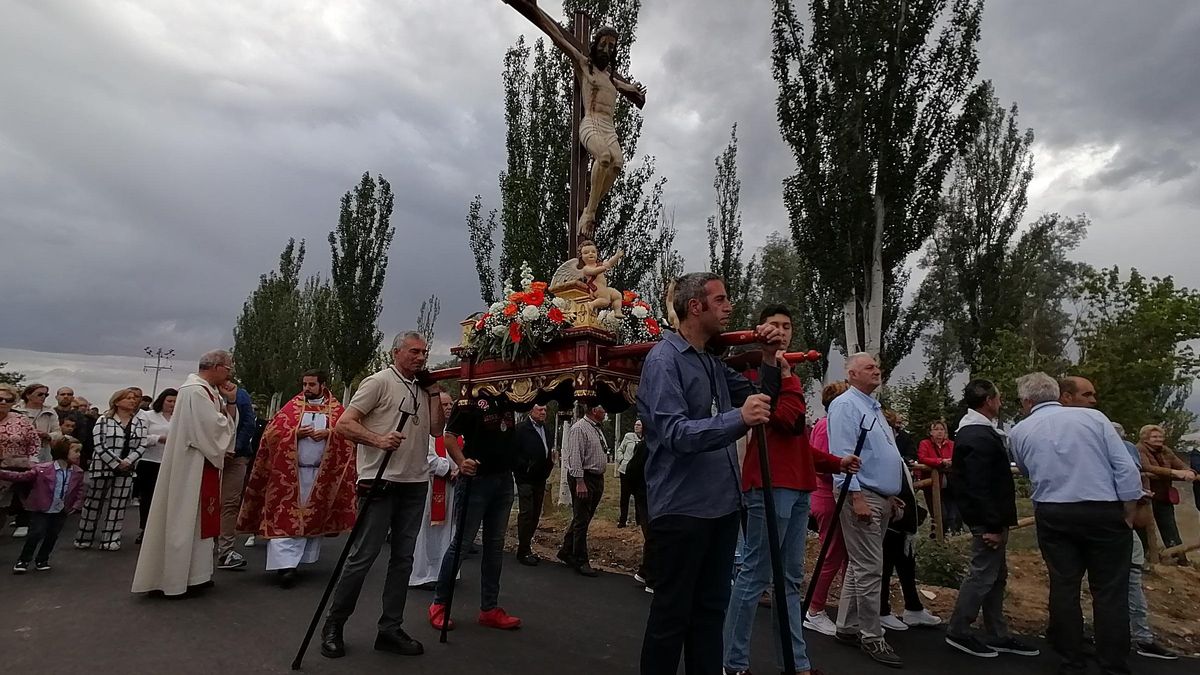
(586, 570)
(398, 643)
(1155, 651)
(971, 645)
(140, 536)
(567, 559)
(529, 559)
(197, 590)
(288, 578)
(1011, 645)
(622, 524)
(43, 566)
(332, 644)
(881, 652)
(20, 567)
(850, 639)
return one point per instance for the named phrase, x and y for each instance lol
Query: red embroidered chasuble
(210, 502)
(437, 499)
(271, 505)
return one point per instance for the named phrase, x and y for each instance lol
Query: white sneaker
(821, 623)
(20, 532)
(892, 622)
(921, 618)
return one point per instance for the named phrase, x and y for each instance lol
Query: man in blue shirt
(1085, 488)
(686, 402)
(873, 504)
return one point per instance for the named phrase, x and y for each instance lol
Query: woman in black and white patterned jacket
(117, 436)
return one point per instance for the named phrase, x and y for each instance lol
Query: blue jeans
(489, 505)
(791, 513)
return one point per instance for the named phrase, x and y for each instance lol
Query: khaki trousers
(862, 584)
(233, 481)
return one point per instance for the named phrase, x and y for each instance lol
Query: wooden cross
(578, 38)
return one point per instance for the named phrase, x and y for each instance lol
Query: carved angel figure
(588, 270)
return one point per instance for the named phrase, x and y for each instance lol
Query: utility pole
(159, 355)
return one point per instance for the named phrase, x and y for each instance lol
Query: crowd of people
(413, 466)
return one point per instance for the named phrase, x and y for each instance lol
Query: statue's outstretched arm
(530, 10)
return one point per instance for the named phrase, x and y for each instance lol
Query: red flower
(555, 315)
(539, 286)
(652, 326)
(516, 296)
(482, 320)
(510, 309)
(628, 297)
(535, 297)
(514, 332)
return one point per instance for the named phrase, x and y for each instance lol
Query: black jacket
(532, 464)
(984, 489)
(635, 470)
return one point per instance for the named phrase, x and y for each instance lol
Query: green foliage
(943, 563)
(359, 247)
(318, 325)
(1132, 338)
(10, 376)
(668, 266)
(784, 277)
(1009, 356)
(725, 239)
(427, 317)
(534, 186)
(269, 332)
(923, 402)
(874, 106)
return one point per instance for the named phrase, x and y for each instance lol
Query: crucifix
(596, 87)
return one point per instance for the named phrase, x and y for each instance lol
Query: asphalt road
(81, 616)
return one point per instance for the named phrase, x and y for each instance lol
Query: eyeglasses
(9, 401)
(42, 394)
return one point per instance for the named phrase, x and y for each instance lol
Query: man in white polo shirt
(370, 420)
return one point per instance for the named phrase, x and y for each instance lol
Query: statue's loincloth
(599, 128)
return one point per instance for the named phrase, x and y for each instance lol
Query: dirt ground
(1173, 592)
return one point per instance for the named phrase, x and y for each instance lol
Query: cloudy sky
(155, 155)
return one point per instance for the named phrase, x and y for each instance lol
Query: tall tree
(725, 247)
(427, 317)
(483, 246)
(10, 376)
(319, 323)
(1133, 341)
(785, 277)
(267, 336)
(359, 247)
(667, 268)
(874, 106)
(532, 218)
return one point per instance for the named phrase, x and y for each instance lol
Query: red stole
(437, 503)
(210, 502)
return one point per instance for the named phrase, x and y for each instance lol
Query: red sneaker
(498, 618)
(436, 614)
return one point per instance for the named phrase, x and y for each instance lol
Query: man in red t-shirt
(794, 466)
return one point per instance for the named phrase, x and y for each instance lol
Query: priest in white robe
(177, 551)
(436, 526)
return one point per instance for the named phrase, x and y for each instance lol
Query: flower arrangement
(636, 324)
(518, 326)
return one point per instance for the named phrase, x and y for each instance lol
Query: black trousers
(43, 529)
(1091, 538)
(626, 493)
(143, 488)
(692, 562)
(583, 509)
(905, 565)
(529, 500)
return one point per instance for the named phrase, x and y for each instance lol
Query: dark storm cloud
(155, 156)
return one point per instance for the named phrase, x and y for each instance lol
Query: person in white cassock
(436, 525)
(185, 518)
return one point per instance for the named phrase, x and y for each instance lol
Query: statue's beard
(601, 59)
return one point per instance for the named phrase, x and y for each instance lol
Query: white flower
(560, 303)
(640, 312)
(499, 331)
(530, 313)
(496, 308)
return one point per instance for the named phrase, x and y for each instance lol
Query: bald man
(1077, 392)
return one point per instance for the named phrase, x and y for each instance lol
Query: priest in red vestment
(302, 485)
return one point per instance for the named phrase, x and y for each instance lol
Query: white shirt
(157, 426)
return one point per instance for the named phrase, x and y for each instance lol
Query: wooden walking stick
(372, 495)
(837, 510)
(464, 500)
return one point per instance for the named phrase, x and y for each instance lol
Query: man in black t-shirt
(485, 458)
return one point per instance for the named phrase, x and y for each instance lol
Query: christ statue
(599, 84)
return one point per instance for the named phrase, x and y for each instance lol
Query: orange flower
(539, 286)
(517, 296)
(510, 309)
(555, 315)
(628, 297)
(514, 332)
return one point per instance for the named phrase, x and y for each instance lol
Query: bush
(1023, 486)
(943, 563)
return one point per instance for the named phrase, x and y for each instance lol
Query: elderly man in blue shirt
(689, 404)
(873, 504)
(1085, 488)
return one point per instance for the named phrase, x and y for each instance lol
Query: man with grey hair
(1085, 490)
(371, 420)
(176, 556)
(874, 504)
